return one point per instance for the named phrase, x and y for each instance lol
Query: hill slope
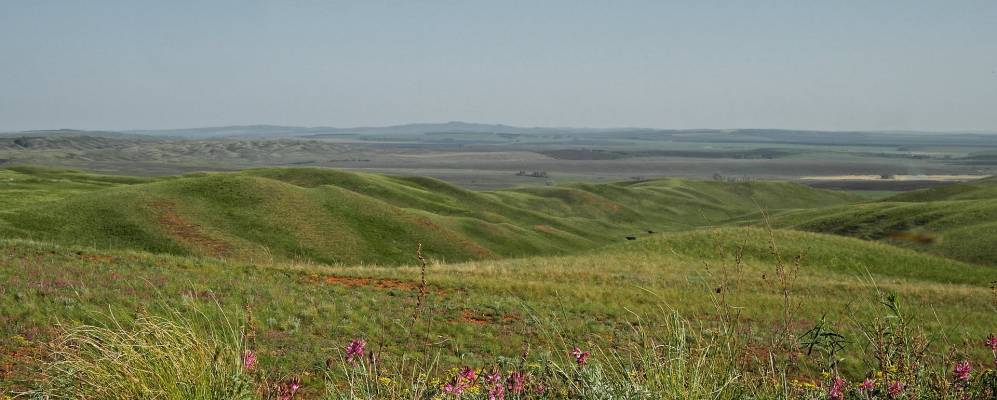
(303, 311)
(339, 217)
(962, 218)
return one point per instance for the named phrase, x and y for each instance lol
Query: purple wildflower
(249, 360)
(580, 356)
(895, 389)
(468, 374)
(961, 371)
(290, 389)
(867, 385)
(497, 392)
(991, 342)
(516, 382)
(355, 349)
(454, 388)
(494, 377)
(836, 391)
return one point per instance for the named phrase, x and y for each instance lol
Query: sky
(831, 65)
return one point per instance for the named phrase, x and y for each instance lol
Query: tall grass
(657, 355)
(663, 357)
(669, 358)
(152, 357)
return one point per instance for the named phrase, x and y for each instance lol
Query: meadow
(417, 279)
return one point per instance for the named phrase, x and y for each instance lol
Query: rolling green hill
(318, 257)
(305, 313)
(957, 221)
(333, 216)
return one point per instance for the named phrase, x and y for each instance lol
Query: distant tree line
(720, 178)
(533, 174)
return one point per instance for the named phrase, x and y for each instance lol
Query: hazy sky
(925, 65)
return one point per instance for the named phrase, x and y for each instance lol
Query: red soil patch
(96, 258)
(18, 358)
(469, 317)
(511, 318)
(359, 281)
(186, 232)
(546, 228)
(21, 361)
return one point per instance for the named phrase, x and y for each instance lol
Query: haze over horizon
(893, 65)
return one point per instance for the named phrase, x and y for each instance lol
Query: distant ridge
(414, 129)
(277, 131)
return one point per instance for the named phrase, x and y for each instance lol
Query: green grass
(313, 258)
(304, 313)
(154, 357)
(23, 186)
(961, 217)
(331, 216)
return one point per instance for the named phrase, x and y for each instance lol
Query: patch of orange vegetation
(186, 232)
(21, 362)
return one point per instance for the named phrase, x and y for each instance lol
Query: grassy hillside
(332, 216)
(304, 313)
(28, 185)
(957, 221)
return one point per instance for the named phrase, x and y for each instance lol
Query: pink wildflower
(290, 389)
(836, 391)
(249, 360)
(895, 389)
(991, 342)
(454, 388)
(961, 371)
(494, 377)
(867, 385)
(516, 382)
(468, 374)
(580, 356)
(355, 349)
(497, 392)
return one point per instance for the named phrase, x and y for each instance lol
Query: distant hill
(69, 133)
(957, 221)
(83, 147)
(339, 217)
(747, 135)
(404, 129)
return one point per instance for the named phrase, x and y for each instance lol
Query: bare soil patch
(186, 232)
